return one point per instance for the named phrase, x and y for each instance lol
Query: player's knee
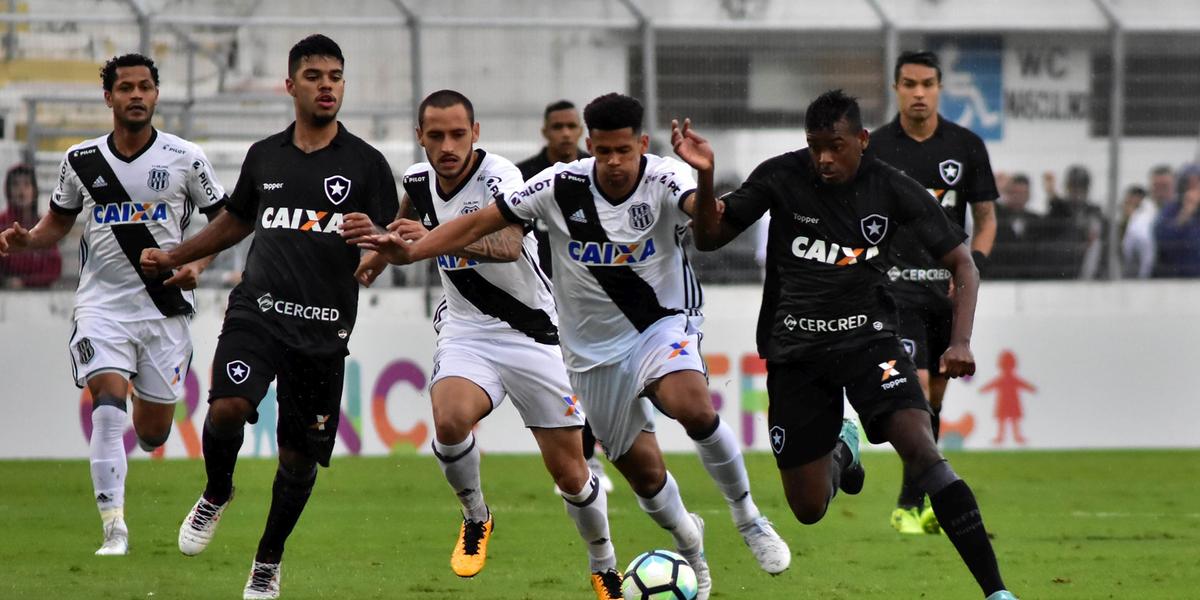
(571, 479)
(808, 510)
(150, 441)
(452, 429)
(227, 415)
(647, 482)
(921, 459)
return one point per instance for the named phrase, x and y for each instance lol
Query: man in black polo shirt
(562, 129)
(827, 323)
(291, 317)
(951, 163)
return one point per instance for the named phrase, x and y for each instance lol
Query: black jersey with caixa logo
(953, 167)
(825, 281)
(299, 278)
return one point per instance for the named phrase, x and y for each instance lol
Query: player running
(630, 308)
(497, 335)
(291, 317)
(137, 187)
(827, 324)
(952, 164)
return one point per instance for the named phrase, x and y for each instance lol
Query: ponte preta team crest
(337, 188)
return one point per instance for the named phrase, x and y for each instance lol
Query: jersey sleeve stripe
(62, 210)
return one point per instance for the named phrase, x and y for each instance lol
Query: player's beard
(462, 168)
(136, 125)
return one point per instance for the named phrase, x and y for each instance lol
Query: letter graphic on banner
(400, 371)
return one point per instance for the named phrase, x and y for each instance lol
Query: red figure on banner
(1008, 386)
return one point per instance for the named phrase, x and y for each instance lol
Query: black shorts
(309, 388)
(925, 334)
(805, 412)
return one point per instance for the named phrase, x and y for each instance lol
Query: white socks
(722, 457)
(589, 510)
(109, 466)
(666, 508)
(460, 465)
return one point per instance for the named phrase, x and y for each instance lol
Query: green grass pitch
(1085, 525)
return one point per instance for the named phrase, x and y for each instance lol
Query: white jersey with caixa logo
(619, 263)
(131, 203)
(484, 298)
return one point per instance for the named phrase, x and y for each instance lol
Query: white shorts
(532, 374)
(153, 354)
(611, 394)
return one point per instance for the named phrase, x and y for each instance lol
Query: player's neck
(571, 156)
(310, 137)
(131, 141)
(919, 130)
(451, 183)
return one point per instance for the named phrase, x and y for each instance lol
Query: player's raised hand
(14, 239)
(408, 229)
(693, 149)
(186, 277)
(957, 361)
(357, 226)
(155, 261)
(369, 268)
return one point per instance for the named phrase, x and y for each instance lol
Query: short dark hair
(557, 106)
(1161, 170)
(445, 99)
(1136, 190)
(831, 107)
(1078, 176)
(108, 73)
(1020, 178)
(313, 45)
(917, 57)
(614, 111)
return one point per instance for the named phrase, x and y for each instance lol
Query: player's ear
(475, 132)
(108, 98)
(644, 142)
(864, 138)
(588, 142)
(290, 86)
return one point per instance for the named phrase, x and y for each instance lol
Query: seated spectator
(1177, 230)
(1076, 227)
(35, 268)
(1138, 213)
(1017, 253)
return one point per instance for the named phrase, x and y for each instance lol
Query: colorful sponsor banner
(1059, 366)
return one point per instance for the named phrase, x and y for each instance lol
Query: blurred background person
(1019, 239)
(1076, 225)
(1177, 229)
(1138, 214)
(561, 128)
(32, 268)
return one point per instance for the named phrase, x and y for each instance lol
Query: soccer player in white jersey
(630, 310)
(497, 334)
(137, 188)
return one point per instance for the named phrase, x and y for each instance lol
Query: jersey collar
(339, 139)
(899, 129)
(112, 147)
(479, 154)
(632, 191)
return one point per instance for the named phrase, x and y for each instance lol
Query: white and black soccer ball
(659, 575)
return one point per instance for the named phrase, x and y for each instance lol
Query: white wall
(1112, 363)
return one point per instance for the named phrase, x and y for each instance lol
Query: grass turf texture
(1084, 525)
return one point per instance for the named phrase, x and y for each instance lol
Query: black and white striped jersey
(619, 263)
(131, 203)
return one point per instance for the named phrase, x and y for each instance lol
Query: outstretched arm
(958, 360)
(51, 228)
(448, 238)
(711, 231)
(223, 232)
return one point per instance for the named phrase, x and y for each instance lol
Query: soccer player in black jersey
(827, 325)
(290, 318)
(951, 163)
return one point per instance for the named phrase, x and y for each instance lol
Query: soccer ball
(659, 575)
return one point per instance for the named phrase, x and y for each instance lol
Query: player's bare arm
(224, 231)
(983, 235)
(958, 360)
(51, 228)
(449, 238)
(711, 231)
(372, 264)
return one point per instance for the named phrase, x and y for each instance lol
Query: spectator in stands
(34, 268)
(1177, 230)
(1017, 254)
(561, 129)
(1138, 214)
(1075, 225)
